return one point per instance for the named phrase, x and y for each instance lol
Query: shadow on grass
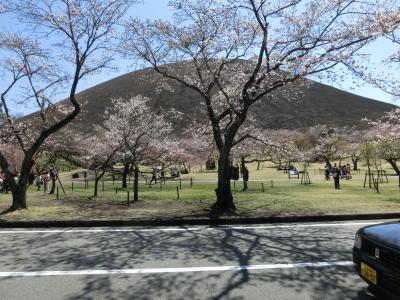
(393, 200)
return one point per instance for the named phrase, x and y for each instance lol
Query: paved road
(283, 261)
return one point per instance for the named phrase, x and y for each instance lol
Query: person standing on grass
(336, 174)
(39, 181)
(344, 171)
(153, 176)
(327, 171)
(348, 169)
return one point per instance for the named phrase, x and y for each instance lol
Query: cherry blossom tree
(3, 118)
(99, 153)
(68, 40)
(195, 149)
(354, 139)
(139, 131)
(382, 74)
(290, 146)
(327, 143)
(14, 156)
(256, 148)
(174, 150)
(280, 41)
(385, 135)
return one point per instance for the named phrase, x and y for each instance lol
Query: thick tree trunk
(18, 190)
(136, 184)
(124, 176)
(258, 165)
(394, 165)
(223, 191)
(18, 199)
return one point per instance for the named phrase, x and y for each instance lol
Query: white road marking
(188, 228)
(306, 225)
(178, 270)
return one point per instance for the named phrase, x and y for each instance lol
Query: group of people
(39, 180)
(174, 173)
(43, 179)
(338, 172)
(4, 185)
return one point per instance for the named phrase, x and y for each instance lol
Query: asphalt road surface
(278, 261)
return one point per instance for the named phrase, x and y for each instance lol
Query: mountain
(318, 104)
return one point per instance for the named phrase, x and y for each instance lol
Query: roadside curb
(196, 221)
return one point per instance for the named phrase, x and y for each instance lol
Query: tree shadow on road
(214, 246)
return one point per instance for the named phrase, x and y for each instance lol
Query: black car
(376, 254)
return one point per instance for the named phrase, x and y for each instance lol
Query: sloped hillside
(319, 104)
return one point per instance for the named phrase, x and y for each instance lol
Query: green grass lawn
(281, 197)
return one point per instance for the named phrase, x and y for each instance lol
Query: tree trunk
(53, 184)
(163, 173)
(223, 191)
(136, 184)
(394, 165)
(97, 178)
(243, 166)
(355, 164)
(19, 199)
(258, 165)
(96, 184)
(328, 163)
(18, 190)
(124, 176)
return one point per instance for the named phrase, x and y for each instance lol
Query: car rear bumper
(388, 281)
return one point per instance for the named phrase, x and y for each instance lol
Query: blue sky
(158, 9)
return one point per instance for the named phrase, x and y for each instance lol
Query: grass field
(271, 193)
